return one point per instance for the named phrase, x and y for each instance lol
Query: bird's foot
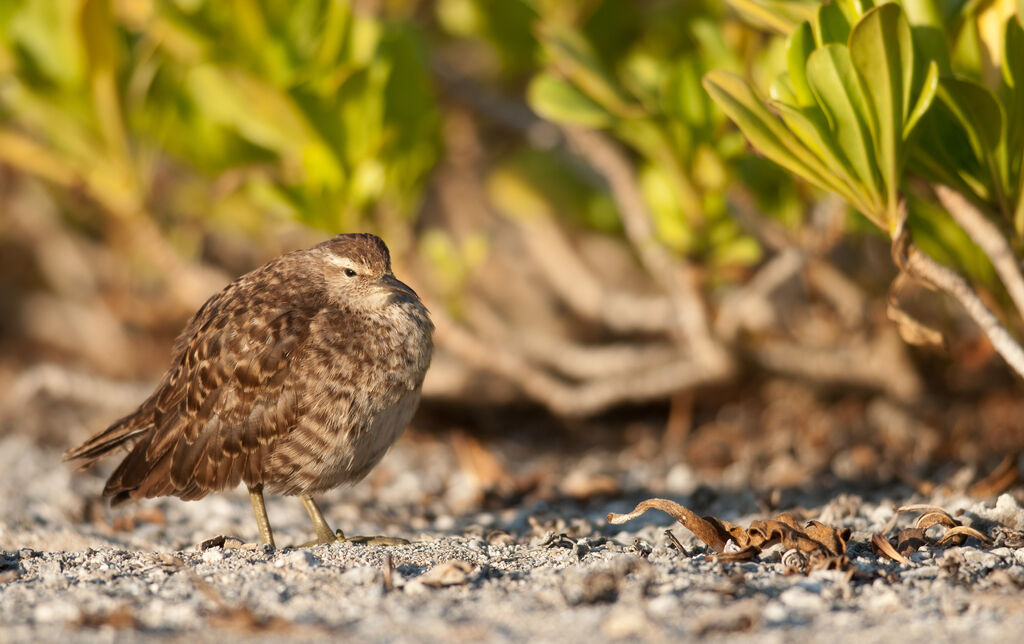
(376, 540)
(339, 537)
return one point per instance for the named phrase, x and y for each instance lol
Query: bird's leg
(324, 534)
(259, 508)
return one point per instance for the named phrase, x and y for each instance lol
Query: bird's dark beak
(396, 286)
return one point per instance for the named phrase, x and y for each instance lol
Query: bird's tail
(121, 434)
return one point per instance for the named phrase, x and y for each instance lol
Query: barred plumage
(296, 377)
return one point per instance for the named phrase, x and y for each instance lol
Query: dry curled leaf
(909, 540)
(744, 554)
(882, 546)
(929, 519)
(921, 507)
(710, 532)
(823, 546)
(912, 330)
(959, 534)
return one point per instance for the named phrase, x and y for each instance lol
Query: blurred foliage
(634, 70)
(302, 109)
(325, 112)
(870, 91)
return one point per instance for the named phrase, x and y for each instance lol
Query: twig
(557, 395)
(567, 357)
(920, 266)
(846, 297)
(677, 278)
(881, 363)
(576, 285)
(748, 307)
(987, 236)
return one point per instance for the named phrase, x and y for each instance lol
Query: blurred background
(626, 295)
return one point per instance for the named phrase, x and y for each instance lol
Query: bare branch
(881, 363)
(749, 308)
(920, 266)
(558, 395)
(676, 277)
(577, 286)
(569, 358)
(846, 297)
(987, 236)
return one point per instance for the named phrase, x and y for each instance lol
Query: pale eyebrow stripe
(344, 262)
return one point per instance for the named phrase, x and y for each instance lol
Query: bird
(294, 379)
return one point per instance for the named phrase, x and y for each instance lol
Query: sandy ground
(539, 570)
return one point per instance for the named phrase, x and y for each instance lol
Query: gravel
(541, 570)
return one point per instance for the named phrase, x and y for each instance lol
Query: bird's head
(357, 270)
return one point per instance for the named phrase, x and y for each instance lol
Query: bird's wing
(228, 396)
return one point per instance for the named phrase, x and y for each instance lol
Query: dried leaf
(746, 554)
(882, 546)
(930, 519)
(920, 507)
(832, 539)
(909, 540)
(912, 331)
(819, 544)
(710, 530)
(999, 480)
(960, 533)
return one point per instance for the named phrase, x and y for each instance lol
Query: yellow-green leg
(324, 534)
(259, 508)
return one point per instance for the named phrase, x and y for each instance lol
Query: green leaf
(260, 113)
(830, 26)
(100, 38)
(924, 99)
(837, 89)
(943, 152)
(810, 127)
(557, 100)
(929, 28)
(854, 9)
(798, 49)
(572, 55)
(737, 99)
(882, 53)
(977, 110)
(782, 16)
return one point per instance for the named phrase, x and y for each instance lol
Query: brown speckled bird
(295, 379)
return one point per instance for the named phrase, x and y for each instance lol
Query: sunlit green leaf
(798, 49)
(765, 132)
(882, 53)
(837, 89)
(830, 25)
(781, 15)
(557, 100)
(929, 87)
(575, 58)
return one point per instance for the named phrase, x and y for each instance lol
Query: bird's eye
(350, 273)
